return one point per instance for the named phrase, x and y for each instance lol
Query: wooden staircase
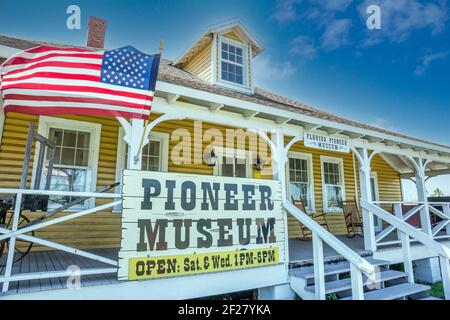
(389, 285)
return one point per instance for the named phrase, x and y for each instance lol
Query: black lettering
(170, 186)
(185, 204)
(205, 242)
(178, 224)
(148, 185)
(230, 193)
(208, 192)
(145, 227)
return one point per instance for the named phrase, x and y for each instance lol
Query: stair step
(431, 298)
(394, 292)
(331, 269)
(346, 284)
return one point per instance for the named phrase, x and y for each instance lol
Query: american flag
(60, 81)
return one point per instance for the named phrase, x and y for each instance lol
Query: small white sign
(324, 142)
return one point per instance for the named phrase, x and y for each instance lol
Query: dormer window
(232, 60)
(223, 56)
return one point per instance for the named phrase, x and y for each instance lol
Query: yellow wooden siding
(388, 181)
(99, 230)
(233, 36)
(201, 64)
(103, 229)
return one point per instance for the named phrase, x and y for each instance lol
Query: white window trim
(374, 176)
(308, 157)
(220, 152)
(378, 221)
(163, 138)
(94, 130)
(340, 162)
(245, 59)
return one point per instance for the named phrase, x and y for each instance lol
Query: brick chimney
(96, 32)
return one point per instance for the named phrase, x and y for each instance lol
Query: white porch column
(137, 129)
(279, 158)
(366, 195)
(425, 221)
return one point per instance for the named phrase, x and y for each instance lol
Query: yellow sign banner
(189, 264)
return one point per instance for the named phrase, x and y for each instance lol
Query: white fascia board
(6, 52)
(233, 24)
(227, 118)
(398, 151)
(212, 97)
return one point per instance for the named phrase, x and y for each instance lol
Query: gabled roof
(234, 25)
(173, 75)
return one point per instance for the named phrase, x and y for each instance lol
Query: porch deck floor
(58, 261)
(301, 254)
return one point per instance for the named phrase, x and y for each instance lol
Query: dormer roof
(234, 25)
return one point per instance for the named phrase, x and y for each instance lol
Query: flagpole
(146, 122)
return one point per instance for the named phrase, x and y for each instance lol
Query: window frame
(221, 152)
(163, 139)
(308, 157)
(340, 162)
(245, 65)
(94, 130)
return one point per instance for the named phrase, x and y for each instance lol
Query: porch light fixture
(211, 158)
(259, 163)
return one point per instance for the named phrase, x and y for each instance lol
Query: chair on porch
(352, 219)
(305, 233)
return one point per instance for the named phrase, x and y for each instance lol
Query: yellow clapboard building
(208, 118)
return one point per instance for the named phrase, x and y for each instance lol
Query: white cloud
(285, 11)
(384, 124)
(400, 18)
(336, 34)
(266, 68)
(304, 47)
(426, 60)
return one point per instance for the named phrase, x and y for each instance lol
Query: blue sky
(317, 51)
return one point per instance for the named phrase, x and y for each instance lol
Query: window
(76, 158)
(154, 156)
(232, 63)
(233, 163)
(333, 183)
(301, 179)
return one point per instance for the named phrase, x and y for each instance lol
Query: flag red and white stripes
(58, 81)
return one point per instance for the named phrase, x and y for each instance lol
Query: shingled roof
(174, 75)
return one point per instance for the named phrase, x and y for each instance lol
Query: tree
(438, 193)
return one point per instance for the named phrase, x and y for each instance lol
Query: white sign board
(179, 224)
(324, 142)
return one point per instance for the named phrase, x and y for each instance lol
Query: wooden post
(12, 241)
(406, 245)
(319, 268)
(366, 195)
(279, 158)
(446, 211)
(425, 220)
(357, 283)
(445, 273)
(134, 150)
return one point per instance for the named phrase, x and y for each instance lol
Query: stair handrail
(331, 240)
(405, 227)
(406, 231)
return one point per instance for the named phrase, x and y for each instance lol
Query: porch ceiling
(406, 169)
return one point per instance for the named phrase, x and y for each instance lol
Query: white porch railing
(440, 230)
(358, 265)
(407, 233)
(21, 233)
